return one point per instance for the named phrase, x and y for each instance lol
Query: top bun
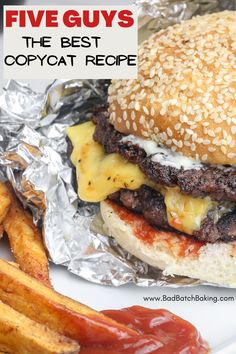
(185, 94)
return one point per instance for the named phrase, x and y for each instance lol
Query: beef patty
(217, 182)
(150, 203)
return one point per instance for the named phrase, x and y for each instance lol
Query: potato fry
(5, 201)
(19, 334)
(58, 312)
(1, 234)
(26, 242)
(13, 264)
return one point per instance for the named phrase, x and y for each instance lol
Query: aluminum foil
(34, 157)
(158, 14)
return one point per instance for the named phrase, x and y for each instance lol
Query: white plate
(215, 321)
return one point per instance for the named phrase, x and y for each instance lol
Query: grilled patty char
(217, 182)
(150, 203)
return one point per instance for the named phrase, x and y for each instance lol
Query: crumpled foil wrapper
(34, 158)
(158, 14)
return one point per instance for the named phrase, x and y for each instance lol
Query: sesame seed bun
(185, 95)
(174, 254)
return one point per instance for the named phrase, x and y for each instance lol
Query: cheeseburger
(161, 158)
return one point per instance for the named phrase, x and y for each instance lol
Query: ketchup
(158, 332)
(180, 244)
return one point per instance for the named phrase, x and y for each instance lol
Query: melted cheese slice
(100, 174)
(186, 213)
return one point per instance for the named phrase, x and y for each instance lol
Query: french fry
(64, 315)
(19, 334)
(26, 242)
(13, 264)
(1, 234)
(5, 201)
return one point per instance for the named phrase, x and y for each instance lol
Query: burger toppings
(101, 174)
(146, 201)
(198, 180)
(185, 213)
(219, 223)
(217, 182)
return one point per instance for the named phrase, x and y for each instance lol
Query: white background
(113, 41)
(216, 322)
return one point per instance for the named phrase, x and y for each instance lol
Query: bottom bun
(173, 253)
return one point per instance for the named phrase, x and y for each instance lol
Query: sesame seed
(151, 123)
(206, 142)
(113, 116)
(137, 106)
(193, 147)
(152, 72)
(183, 118)
(211, 133)
(142, 120)
(183, 87)
(164, 136)
(144, 133)
(127, 123)
(223, 149)
(162, 111)
(187, 143)
(175, 113)
(169, 132)
(177, 126)
(231, 155)
(175, 142)
(189, 131)
(125, 115)
(233, 129)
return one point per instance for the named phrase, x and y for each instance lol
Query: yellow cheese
(100, 174)
(186, 213)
